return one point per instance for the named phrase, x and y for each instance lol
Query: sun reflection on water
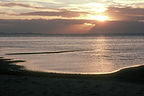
(100, 56)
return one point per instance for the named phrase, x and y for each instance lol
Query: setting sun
(99, 17)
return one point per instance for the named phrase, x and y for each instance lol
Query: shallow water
(78, 55)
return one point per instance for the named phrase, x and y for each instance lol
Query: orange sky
(72, 16)
(100, 10)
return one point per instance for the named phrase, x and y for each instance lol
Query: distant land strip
(53, 52)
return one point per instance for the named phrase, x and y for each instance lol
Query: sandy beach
(17, 82)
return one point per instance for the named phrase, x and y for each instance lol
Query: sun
(99, 17)
(96, 11)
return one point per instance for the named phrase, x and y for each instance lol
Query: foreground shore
(14, 81)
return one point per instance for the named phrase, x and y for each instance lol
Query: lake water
(75, 54)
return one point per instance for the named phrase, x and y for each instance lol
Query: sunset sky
(75, 16)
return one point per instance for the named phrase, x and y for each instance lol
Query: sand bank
(14, 81)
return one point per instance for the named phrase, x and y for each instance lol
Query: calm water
(79, 55)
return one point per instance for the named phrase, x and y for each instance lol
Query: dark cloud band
(64, 26)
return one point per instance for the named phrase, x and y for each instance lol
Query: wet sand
(15, 81)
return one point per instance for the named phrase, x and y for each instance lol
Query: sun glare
(96, 11)
(99, 17)
(96, 7)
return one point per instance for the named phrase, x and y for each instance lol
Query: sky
(72, 16)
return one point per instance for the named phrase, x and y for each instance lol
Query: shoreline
(19, 82)
(131, 74)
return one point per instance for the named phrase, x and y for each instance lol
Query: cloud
(126, 13)
(3, 13)
(118, 28)
(45, 11)
(62, 13)
(71, 26)
(74, 8)
(10, 4)
(57, 26)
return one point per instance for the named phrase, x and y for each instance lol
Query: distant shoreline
(68, 35)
